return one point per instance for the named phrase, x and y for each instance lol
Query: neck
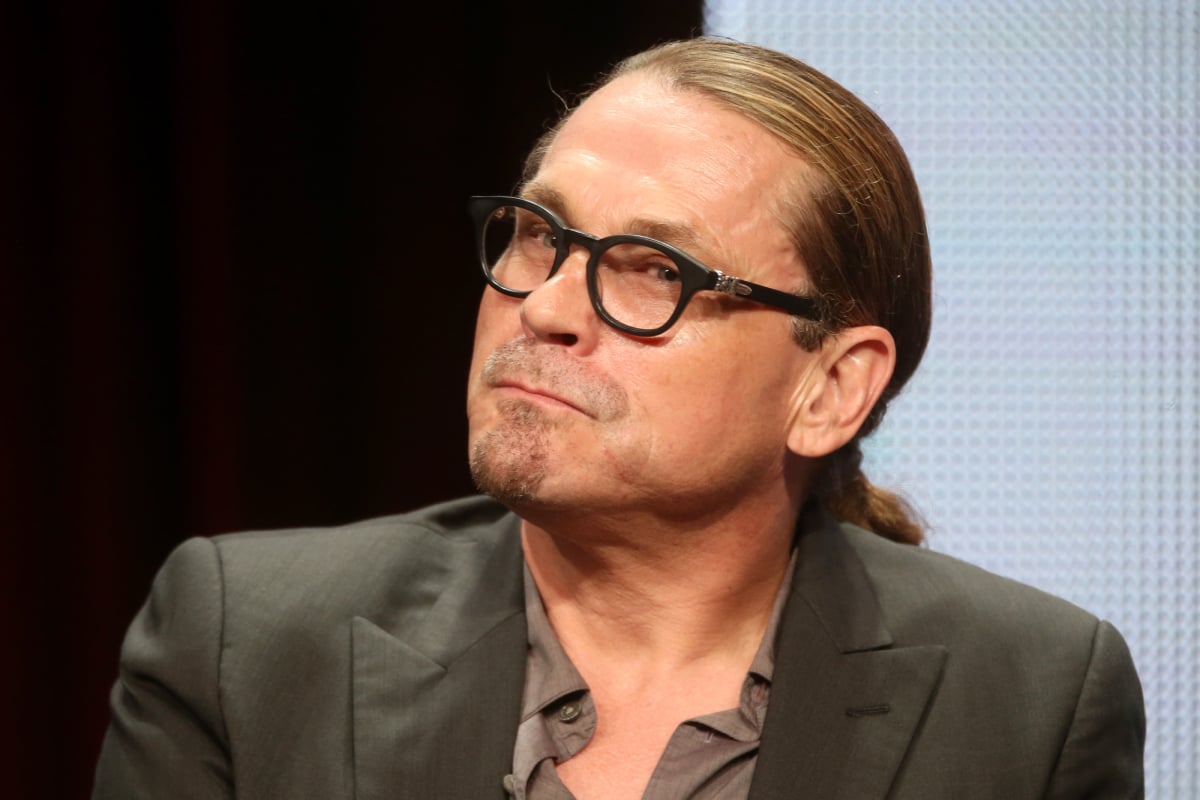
(656, 596)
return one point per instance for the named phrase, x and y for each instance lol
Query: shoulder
(1053, 682)
(346, 568)
(991, 624)
(1003, 637)
(464, 521)
(919, 588)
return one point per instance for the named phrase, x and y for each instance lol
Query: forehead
(638, 152)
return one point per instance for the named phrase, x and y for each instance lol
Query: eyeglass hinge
(730, 285)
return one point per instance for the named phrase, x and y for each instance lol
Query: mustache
(552, 370)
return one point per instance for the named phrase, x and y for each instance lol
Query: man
(711, 281)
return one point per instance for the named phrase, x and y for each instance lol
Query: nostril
(566, 339)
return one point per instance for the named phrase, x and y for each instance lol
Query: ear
(852, 370)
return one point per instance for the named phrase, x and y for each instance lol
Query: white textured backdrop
(1052, 433)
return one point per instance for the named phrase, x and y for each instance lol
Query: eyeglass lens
(637, 284)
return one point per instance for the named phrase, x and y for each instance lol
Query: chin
(507, 465)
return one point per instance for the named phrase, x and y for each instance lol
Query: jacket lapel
(436, 702)
(844, 702)
(436, 705)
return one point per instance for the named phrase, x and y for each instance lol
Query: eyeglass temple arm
(736, 287)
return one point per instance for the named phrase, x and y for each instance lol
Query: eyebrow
(673, 233)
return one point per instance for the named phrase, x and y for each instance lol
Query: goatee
(510, 461)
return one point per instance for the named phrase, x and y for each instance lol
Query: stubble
(510, 461)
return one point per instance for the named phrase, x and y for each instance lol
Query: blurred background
(1052, 433)
(236, 291)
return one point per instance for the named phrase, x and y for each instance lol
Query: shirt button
(569, 712)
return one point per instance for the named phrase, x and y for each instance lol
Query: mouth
(537, 395)
(549, 380)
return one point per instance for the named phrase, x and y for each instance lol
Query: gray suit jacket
(386, 660)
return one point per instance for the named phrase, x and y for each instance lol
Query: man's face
(567, 412)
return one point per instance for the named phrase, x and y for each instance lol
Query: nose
(559, 311)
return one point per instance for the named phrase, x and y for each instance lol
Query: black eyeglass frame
(694, 276)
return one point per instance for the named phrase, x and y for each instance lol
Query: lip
(538, 395)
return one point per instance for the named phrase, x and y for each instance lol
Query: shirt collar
(551, 676)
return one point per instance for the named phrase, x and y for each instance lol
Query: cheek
(707, 370)
(497, 321)
(679, 412)
(727, 388)
(496, 311)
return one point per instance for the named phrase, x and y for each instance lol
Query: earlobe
(852, 371)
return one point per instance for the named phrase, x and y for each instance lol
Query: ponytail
(845, 491)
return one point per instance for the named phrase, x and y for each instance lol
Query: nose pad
(560, 310)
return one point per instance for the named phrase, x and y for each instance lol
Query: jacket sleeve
(166, 737)
(1102, 753)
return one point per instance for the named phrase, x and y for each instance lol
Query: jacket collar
(845, 702)
(436, 703)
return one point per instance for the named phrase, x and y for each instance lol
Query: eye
(535, 233)
(666, 274)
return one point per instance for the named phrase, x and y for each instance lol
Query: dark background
(236, 289)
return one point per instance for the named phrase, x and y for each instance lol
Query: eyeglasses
(636, 284)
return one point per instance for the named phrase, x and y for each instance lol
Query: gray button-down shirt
(710, 756)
